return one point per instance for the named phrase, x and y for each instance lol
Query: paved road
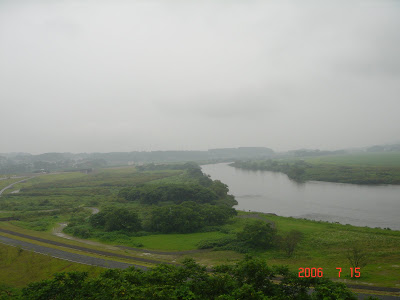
(100, 252)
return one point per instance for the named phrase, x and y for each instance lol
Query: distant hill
(384, 148)
(19, 162)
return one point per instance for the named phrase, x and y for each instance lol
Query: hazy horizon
(103, 76)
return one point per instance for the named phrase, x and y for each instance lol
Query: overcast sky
(101, 76)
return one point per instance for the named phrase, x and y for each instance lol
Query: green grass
(40, 223)
(383, 159)
(352, 174)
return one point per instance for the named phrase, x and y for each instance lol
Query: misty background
(102, 76)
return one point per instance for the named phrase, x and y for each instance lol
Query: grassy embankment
(364, 168)
(324, 244)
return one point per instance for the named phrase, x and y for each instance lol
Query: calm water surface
(360, 205)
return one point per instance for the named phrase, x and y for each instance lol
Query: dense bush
(215, 243)
(115, 219)
(188, 217)
(258, 235)
(176, 193)
(255, 235)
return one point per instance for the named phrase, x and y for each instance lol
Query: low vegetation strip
(83, 248)
(79, 258)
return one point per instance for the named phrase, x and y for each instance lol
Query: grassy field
(325, 246)
(382, 159)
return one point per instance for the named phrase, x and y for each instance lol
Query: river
(270, 192)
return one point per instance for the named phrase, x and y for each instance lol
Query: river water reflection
(263, 191)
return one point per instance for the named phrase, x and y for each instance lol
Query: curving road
(84, 249)
(12, 184)
(78, 258)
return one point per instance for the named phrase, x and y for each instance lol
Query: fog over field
(86, 76)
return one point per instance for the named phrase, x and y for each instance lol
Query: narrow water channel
(264, 191)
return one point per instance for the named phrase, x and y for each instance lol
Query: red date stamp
(318, 272)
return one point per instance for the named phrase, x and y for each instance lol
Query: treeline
(249, 279)
(176, 193)
(199, 188)
(186, 217)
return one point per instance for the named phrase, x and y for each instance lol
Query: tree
(290, 241)
(258, 235)
(357, 257)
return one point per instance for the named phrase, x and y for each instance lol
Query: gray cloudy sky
(100, 76)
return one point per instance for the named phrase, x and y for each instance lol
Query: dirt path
(58, 232)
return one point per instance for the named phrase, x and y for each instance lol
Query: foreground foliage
(248, 279)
